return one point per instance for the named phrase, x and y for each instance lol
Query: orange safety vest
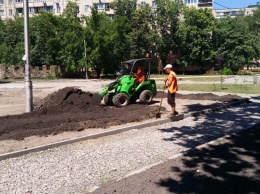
(140, 74)
(173, 88)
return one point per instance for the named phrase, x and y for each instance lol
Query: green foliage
(12, 48)
(167, 19)
(102, 43)
(74, 42)
(233, 39)
(194, 36)
(226, 71)
(142, 36)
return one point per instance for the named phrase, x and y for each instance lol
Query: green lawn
(202, 78)
(226, 88)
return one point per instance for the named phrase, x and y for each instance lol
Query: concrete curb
(117, 130)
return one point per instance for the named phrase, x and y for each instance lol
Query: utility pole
(26, 58)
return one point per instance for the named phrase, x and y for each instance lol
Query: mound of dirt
(68, 99)
(204, 96)
(70, 109)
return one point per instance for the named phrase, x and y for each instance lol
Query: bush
(226, 71)
(244, 72)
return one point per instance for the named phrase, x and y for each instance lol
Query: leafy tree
(45, 39)
(233, 40)
(2, 37)
(72, 35)
(194, 37)
(124, 13)
(143, 35)
(167, 19)
(101, 55)
(13, 41)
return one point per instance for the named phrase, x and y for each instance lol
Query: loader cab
(131, 66)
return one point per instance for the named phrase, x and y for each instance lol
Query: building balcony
(205, 3)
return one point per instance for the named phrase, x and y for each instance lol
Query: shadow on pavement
(212, 127)
(229, 167)
(232, 167)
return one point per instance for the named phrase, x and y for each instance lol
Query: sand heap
(68, 99)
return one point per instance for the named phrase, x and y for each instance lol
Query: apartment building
(200, 3)
(8, 8)
(221, 13)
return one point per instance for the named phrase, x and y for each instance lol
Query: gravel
(78, 167)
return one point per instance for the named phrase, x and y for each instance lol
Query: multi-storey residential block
(200, 3)
(8, 8)
(221, 13)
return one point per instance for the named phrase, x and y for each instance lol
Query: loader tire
(108, 99)
(146, 97)
(121, 100)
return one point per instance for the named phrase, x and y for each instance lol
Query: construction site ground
(229, 165)
(50, 124)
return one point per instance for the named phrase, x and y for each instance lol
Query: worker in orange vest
(171, 81)
(140, 75)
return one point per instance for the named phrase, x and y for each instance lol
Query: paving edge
(118, 130)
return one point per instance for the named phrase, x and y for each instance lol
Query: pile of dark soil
(70, 109)
(204, 96)
(68, 99)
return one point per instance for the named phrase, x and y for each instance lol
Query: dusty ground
(231, 167)
(70, 113)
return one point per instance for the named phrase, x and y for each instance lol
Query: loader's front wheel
(146, 97)
(108, 99)
(121, 100)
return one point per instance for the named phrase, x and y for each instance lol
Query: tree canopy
(74, 42)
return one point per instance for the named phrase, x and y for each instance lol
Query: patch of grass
(226, 88)
(197, 78)
(105, 180)
(205, 79)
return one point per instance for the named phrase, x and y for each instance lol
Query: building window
(10, 1)
(19, 10)
(143, 3)
(1, 1)
(19, 1)
(100, 6)
(37, 9)
(107, 7)
(86, 7)
(31, 9)
(2, 12)
(10, 12)
(154, 4)
(48, 8)
(111, 17)
(58, 7)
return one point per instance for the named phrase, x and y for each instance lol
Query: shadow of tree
(232, 167)
(199, 107)
(229, 166)
(212, 126)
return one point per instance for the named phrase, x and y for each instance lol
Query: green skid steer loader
(124, 90)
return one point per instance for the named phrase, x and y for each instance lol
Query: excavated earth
(71, 109)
